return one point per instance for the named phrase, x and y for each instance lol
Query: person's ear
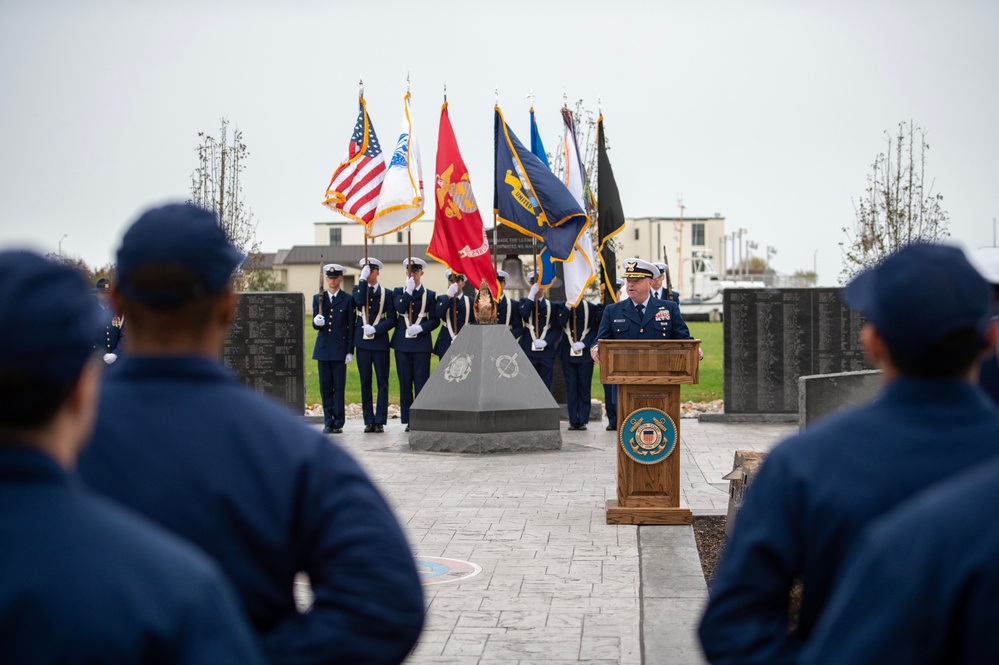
(874, 345)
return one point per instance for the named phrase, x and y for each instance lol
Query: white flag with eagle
(401, 200)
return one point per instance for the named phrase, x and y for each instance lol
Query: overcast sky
(768, 113)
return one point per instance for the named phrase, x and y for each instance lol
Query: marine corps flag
(610, 216)
(401, 200)
(459, 239)
(530, 198)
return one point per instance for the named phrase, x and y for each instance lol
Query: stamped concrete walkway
(557, 584)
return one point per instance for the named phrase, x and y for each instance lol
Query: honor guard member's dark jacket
(661, 320)
(551, 317)
(587, 321)
(111, 338)
(454, 314)
(660, 294)
(508, 313)
(335, 339)
(416, 309)
(377, 311)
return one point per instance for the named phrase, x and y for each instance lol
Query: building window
(636, 234)
(697, 233)
(398, 236)
(336, 237)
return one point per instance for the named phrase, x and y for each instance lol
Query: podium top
(648, 362)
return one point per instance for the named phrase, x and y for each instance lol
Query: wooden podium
(648, 374)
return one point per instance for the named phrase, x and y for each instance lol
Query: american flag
(356, 183)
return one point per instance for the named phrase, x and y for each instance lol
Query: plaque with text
(775, 336)
(265, 345)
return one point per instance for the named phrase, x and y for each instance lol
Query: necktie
(641, 310)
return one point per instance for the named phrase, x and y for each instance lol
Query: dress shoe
(327, 430)
(368, 429)
(407, 428)
(611, 428)
(581, 426)
(380, 429)
(337, 430)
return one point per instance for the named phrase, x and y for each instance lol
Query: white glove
(347, 358)
(452, 291)
(365, 271)
(577, 346)
(410, 285)
(110, 358)
(414, 329)
(320, 320)
(540, 344)
(533, 295)
(369, 330)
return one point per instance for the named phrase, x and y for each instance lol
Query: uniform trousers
(578, 377)
(545, 369)
(379, 360)
(414, 370)
(610, 403)
(332, 382)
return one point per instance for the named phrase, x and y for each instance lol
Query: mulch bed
(709, 534)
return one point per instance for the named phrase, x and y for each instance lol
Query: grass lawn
(710, 387)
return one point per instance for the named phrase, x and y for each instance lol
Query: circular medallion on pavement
(435, 570)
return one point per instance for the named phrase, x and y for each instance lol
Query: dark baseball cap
(920, 294)
(178, 235)
(49, 324)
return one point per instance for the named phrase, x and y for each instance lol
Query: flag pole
(537, 282)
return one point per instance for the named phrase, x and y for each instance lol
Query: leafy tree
(215, 184)
(805, 277)
(74, 262)
(898, 207)
(260, 278)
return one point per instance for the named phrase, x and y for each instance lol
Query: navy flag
(610, 216)
(531, 199)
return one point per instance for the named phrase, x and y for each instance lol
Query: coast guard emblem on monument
(458, 368)
(648, 436)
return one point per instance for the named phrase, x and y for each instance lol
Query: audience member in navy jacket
(183, 441)
(333, 319)
(84, 581)
(817, 492)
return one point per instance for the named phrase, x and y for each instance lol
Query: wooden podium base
(647, 515)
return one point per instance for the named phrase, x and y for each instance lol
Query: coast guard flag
(528, 197)
(355, 185)
(401, 200)
(610, 217)
(459, 239)
(580, 269)
(546, 264)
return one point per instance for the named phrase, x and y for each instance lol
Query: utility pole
(679, 246)
(64, 236)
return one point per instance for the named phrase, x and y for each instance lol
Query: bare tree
(215, 185)
(898, 206)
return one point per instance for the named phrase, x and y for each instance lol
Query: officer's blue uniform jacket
(814, 495)
(661, 320)
(84, 581)
(335, 339)
(111, 338)
(384, 325)
(554, 333)
(508, 313)
(185, 443)
(405, 304)
(453, 314)
(922, 585)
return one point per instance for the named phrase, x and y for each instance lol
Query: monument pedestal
(648, 374)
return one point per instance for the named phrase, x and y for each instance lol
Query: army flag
(354, 188)
(610, 216)
(579, 270)
(459, 238)
(530, 198)
(401, 200)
